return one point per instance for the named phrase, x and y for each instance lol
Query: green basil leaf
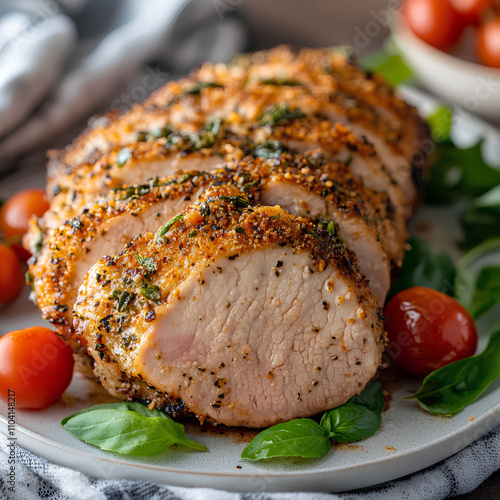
(450, 389)
(128, 428)
(301, 437)
(424, 265)
(468, 268)
(459, 173)
(122, 406)
(372, 398)
(486, 291)
(440, 123)
(351, 422)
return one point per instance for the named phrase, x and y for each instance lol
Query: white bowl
(474, 87)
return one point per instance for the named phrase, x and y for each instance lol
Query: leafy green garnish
(166, 228)
(425, 265)
(357, 419)
(372, 398)
(280, 113)
(351, 422)
(486, 291)
(481, 220)
(458, 174)
(301, 437)
(440, 123)
(128, 428)
(388, 63)
(450, 389)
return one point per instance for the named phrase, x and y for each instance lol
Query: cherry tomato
(428, 330)
(16, 213)
(471, 10)
(36, 365)
(436, 22)
(11, 275)
(488, 43)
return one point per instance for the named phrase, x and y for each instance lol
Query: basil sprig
(128, 428)
(357, 419)
(450, 389)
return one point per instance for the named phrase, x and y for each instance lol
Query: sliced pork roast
(223, 248)
(247, 315)
(335, 200)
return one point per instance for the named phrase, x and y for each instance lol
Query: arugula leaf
(129, 429)
(458, 174)
(301, 437)
(350, 422)
(450, 389)
(425, 265)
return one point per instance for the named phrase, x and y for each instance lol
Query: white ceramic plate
(409, 439)
(454, 75)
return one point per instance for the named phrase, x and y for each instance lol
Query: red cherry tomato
(428, 330)
(11, 275)
(36, 365)
(436, 22)
(471, 10)
(488, 43)
(16, 213)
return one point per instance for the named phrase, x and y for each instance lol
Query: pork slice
(250, 316)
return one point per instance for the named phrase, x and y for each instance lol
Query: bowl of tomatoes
(453, 47)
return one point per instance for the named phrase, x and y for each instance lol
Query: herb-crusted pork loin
(223, 248)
